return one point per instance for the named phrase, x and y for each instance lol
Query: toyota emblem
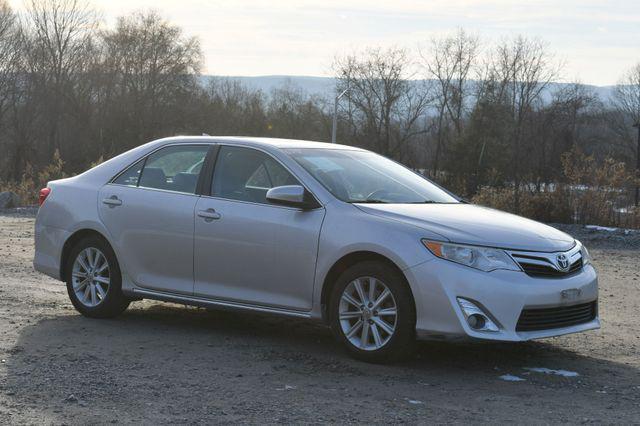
(563, 262)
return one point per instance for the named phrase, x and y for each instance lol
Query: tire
(385, 347)
(103, 300)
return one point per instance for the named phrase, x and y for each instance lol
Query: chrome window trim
(189, 194)
(211, 197)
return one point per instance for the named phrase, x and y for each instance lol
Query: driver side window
(246, 174)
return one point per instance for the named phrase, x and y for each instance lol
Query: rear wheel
(373, 313)
(94, 282)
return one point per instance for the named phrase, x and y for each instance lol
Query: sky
(597, 40)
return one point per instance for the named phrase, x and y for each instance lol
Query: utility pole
(637, 165)
(334, 129)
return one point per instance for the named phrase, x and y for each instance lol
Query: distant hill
(325, 86)
(322, 86)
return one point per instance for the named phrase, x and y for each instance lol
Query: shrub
(590, 193)
(547, 206)
(28, 187)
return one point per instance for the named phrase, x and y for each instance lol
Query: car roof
(256, 141)
(106, 170)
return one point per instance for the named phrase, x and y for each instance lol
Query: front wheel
(94, 282)
(373, 312)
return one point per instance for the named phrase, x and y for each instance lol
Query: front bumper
(436, 285)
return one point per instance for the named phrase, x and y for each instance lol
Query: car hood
(470, 224)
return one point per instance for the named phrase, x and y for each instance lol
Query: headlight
(483, 258)
(586, 258)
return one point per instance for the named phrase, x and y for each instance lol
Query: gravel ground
(165, 363)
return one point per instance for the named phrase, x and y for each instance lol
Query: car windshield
(364, 177)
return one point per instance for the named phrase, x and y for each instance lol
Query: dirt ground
(164, 363)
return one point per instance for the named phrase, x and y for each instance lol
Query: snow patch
(601, 228)
(624, 231)
(563, 373)
(286, 388)
(511, 378)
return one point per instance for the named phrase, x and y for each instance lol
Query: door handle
(209, 214)
(112, 201)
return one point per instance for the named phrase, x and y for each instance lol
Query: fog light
(477, 319)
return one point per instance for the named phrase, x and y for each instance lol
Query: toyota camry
(310, 230)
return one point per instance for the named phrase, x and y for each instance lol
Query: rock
(71, 398)
(9, 200)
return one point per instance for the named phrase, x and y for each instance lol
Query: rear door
(149, 212)
(246, 249)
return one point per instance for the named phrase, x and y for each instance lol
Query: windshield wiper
(393, 202)
(368, 202)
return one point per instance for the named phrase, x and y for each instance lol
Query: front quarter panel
(347, 229)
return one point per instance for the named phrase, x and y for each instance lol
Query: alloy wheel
(367, 313)
(90, 277)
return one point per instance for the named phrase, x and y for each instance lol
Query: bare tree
(150, 65)
(10, 53)
(566, 122)
(59, 36)
(9, 50)
(295, 114)
(385, 105)
(449, 62)
(627, 94)
(521, 69)
(234, 109)
(627, 102)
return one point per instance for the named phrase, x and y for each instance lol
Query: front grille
(547, 270)
(562, 316)
(535, 266)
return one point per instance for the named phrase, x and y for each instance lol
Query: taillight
(44, 193)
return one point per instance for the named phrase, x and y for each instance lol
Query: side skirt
(138, 294)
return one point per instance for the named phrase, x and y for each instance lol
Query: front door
(250, 251)
(149, 213)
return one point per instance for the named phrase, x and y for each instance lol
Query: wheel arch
(73, 240)
(346, 262)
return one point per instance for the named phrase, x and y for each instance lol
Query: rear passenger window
(175, 168)
(131, 176)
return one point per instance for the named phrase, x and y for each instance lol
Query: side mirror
(291, 195)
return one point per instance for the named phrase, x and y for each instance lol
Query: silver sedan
(310, 230)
